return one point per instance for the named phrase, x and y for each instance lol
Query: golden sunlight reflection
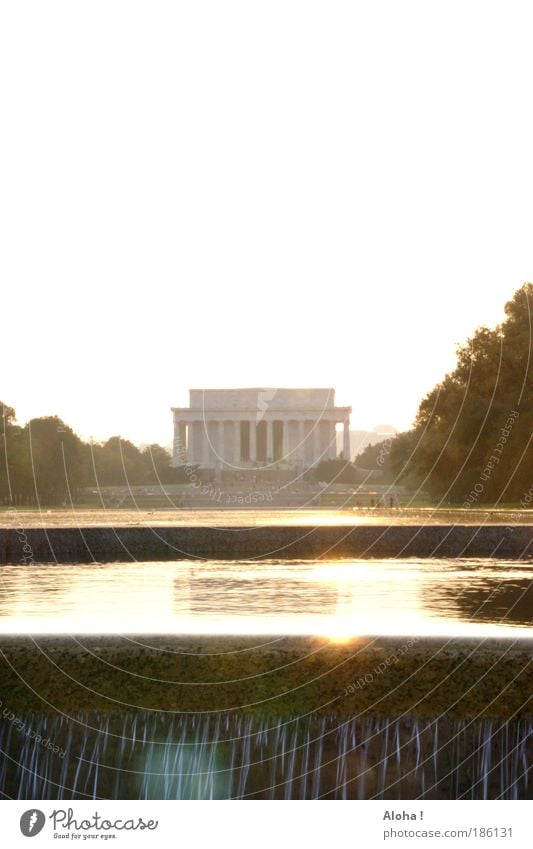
(340, 601)
(314, 517)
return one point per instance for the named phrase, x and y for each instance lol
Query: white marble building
(235, 429)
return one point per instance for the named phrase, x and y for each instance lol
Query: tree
(483, 409)
(45, 462)
(157, 464)
(377, 458)
(7, 416)
(117, 463)
(334, 471)
(56, 459)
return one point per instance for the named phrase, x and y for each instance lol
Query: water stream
(160, 756)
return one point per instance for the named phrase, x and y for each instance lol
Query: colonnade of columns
(216, 441)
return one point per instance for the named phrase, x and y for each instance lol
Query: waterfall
(155, 755)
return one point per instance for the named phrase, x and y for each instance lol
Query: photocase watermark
(32, 822)
(23, 729)
(384, 451)
(492, 462)
(221, 496)
(525, 504)
(27, 550)
(66, 820)
(214, 492)
(255, 496)
(392, 659)
(264, 397)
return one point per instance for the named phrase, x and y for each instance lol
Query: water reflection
(259, 517)
(260, 592)
(509, 600)
(337, 598)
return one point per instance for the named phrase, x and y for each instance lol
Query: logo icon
(32, 822)
(264, 396)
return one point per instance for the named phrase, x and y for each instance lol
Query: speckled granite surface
(281, 676)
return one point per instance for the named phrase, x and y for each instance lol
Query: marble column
(190, 443)
(182, 435)
(269, 441)
(332, 439)
(206, 453)
(220, 445)
(285, 440)
(179, 450)
(237, 442)
(253, 442)
(346, 441)
(301, 443)
(317, 451)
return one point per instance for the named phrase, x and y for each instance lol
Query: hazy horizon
(231, 195)
(380, 428)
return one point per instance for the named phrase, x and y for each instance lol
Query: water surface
(341, 598)
(254, 517)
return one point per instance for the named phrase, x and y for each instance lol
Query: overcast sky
(287, 193)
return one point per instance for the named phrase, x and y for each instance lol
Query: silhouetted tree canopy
(471, 440)
(377, 458)
(334, 471)
(470, 444)
(46, 463)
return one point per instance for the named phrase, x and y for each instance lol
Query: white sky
(255, 193)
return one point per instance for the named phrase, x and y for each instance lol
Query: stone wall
(286, 676)
(86, 545)
(261, 399)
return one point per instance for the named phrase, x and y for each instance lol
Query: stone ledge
(283, 676)
(278, 542)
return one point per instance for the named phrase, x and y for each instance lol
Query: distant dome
(384, 428)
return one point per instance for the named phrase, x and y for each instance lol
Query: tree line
(45, 462)
(471, 440)
(470, 443)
